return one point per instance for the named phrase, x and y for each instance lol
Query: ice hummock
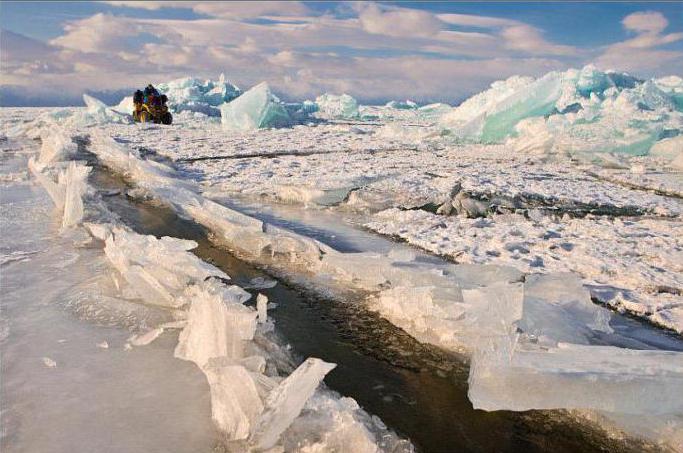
(195, 95)
(257, 108)
(576, 112)
(332, 106)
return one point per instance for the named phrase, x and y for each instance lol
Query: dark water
(417, 390)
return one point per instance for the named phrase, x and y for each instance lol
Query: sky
(52, 52)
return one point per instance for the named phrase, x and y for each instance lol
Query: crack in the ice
(633, 186)
(271, 155)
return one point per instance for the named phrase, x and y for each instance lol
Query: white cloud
(468, 20)
(645, 21)
(372, 51)
(400, 22)
(530, 40)
(98, 33)
(642, 53)
(232, 9)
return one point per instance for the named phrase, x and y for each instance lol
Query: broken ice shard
(287, 400)
(74, 179)
(217, 324)
(235, 402)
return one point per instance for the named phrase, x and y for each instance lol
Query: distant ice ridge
(576, 112)
(402, 105)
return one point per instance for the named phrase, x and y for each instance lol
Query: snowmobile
(151, 108)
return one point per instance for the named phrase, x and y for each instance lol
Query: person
(150, 94)
(138, 97)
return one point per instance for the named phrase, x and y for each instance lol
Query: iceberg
(332, 106)
(255, 109)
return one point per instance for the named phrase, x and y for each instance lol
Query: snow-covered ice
(628, 263)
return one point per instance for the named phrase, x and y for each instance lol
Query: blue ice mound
(256, 109)
(576, 112)
(204, 96)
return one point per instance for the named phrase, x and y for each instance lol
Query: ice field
(532, 237)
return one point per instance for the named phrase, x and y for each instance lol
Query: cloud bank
(372, 51)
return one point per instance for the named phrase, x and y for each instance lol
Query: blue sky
(427, 51)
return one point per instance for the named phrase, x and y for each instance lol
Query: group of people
(150, 106)
(149, 96)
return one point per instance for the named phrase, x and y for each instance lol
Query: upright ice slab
(217, 324)
(71, 185)
(97, 112)
(74, 180)
(255, 109)
(235, 401)
(56, 145)
(284, 403)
